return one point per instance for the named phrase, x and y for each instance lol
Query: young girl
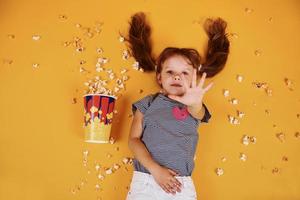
(163, 135)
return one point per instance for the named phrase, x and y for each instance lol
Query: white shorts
(144, 187)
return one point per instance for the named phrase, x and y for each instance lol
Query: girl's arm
(135, 144)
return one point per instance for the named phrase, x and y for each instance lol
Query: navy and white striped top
(170, 140)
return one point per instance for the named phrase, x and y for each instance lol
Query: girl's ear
(158, 77)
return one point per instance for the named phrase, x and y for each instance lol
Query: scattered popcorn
(85, 153)
(116, 89)
(97, 187)
(125, 78)
(35, 65)
(284, 158)
(97, 167)
(243, 157)
(112, 76)
(289, 84)
(281, 136)
(109, 71)
(240, 114)
(275, 170)
(246, 140)
(123, 71)
(225, 92)
(263, 85)
(125, 55)
(101, 177)
(7, 61)
(239, 78)
(135, 65)
(82, 62)
(80, 49)
(233, 120)
(223, 159)
(269, 92)
(270, 19)
(121, 39)
(109, 171)
(74, 101)
(36, 37)
(83, 182)
(11, 36)
(78, 25)
(99, 69)
(116, 166)
(219, 171)
(103, 60)
(99, 50)
(111, 140)
(253, 139)
(73, 191)
(249, 10)
(234, 101)
(257, 52)
(127, 160)
(63, 17)
(108, 155)
(267, 112)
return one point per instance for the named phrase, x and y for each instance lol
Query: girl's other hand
(166, 179)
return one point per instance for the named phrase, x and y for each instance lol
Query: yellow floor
(42, 148)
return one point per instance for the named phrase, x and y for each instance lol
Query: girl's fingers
(176, 182)
(165, 188)
(208, 87)
(194, 78)
(201, 83)
(171, 188)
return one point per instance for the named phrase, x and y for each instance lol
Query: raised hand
(193, 93)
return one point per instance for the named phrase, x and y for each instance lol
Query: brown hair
(215, 56)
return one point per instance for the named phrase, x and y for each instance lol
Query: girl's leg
(188, 191)
(140, 189)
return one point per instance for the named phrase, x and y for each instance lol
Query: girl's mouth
(176, 85)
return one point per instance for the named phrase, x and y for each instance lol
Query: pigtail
(218, 47)
(139, 42)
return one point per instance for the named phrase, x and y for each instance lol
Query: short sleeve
(207, 115)
(143, 104)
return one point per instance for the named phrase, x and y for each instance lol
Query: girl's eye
(185, 73)
(169, 72)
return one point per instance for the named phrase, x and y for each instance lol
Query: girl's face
(175, 70)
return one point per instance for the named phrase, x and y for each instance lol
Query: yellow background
(41, 135)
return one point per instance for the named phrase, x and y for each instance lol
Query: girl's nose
(177, 78)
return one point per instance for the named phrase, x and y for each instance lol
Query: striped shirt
(171, 140)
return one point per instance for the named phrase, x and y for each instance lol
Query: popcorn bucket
(98, 114)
